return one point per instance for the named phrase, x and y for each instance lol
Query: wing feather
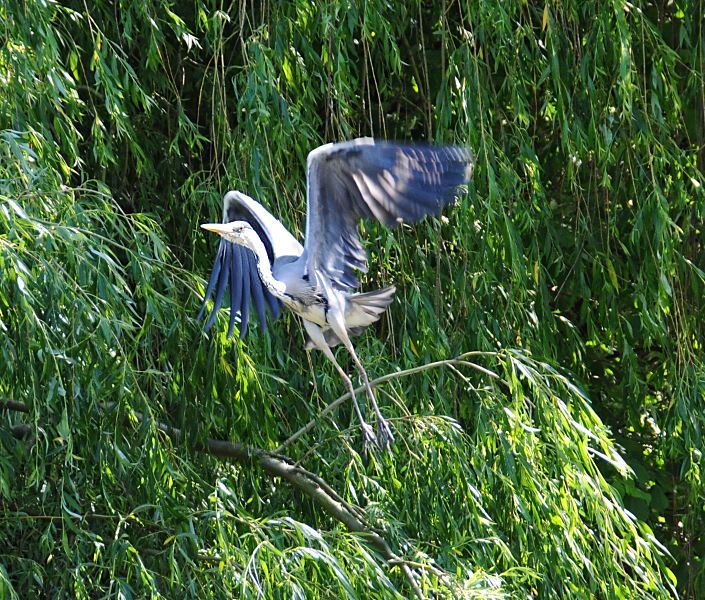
(235, 289)
(246, 292)
(257, 288)
(237, 266)
(213, 279)
(363, 179)
(224, 254)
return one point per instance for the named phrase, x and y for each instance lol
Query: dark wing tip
(217, 281)
(235, 287)
(236, 266)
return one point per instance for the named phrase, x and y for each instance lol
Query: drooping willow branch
(310, 484)
(276, 465)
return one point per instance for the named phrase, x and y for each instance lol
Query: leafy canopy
(562, 460)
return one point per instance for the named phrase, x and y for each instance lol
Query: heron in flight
(346, 182)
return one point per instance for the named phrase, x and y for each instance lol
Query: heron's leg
(385, 431)
(386, 436)
(316, 335)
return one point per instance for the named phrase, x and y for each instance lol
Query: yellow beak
(219, 228)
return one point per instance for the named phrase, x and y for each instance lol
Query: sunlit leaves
(575, 260)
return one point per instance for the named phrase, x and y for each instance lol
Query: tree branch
(459, 360)
(310, 484)
(276, 465)
(13, 405)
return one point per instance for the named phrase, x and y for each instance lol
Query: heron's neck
(264, 267)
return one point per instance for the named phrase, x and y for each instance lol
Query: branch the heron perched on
(346, 182)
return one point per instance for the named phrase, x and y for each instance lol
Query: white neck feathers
(264, 267)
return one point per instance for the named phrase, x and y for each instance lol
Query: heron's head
(238, 232)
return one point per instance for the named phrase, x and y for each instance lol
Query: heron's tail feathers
(366, 308)
(382, 298)
(361, 311)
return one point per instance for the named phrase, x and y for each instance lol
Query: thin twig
(457, 361)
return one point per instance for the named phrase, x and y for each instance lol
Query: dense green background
(575, 261)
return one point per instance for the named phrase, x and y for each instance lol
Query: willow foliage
(563, 459)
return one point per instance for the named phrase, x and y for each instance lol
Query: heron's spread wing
(237, 265)
(389, 182)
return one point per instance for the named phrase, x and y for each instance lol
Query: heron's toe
(385, 437)
(369, 439)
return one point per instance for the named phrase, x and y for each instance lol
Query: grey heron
(346, 182)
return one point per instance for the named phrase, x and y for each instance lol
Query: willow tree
(562, 457)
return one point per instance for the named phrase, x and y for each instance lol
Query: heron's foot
(385, 437)
(369, 439)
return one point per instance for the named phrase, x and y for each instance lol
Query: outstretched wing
(392, 183)
(237, 265)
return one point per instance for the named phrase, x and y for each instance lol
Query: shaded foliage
(571, 466)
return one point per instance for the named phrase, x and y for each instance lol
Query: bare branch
(459, 360)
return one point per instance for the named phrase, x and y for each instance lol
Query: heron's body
(287, 281)
(264, 263)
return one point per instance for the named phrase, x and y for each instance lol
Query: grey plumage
(364, 179)
(346, 182)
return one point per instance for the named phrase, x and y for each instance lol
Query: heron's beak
(219, 228)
